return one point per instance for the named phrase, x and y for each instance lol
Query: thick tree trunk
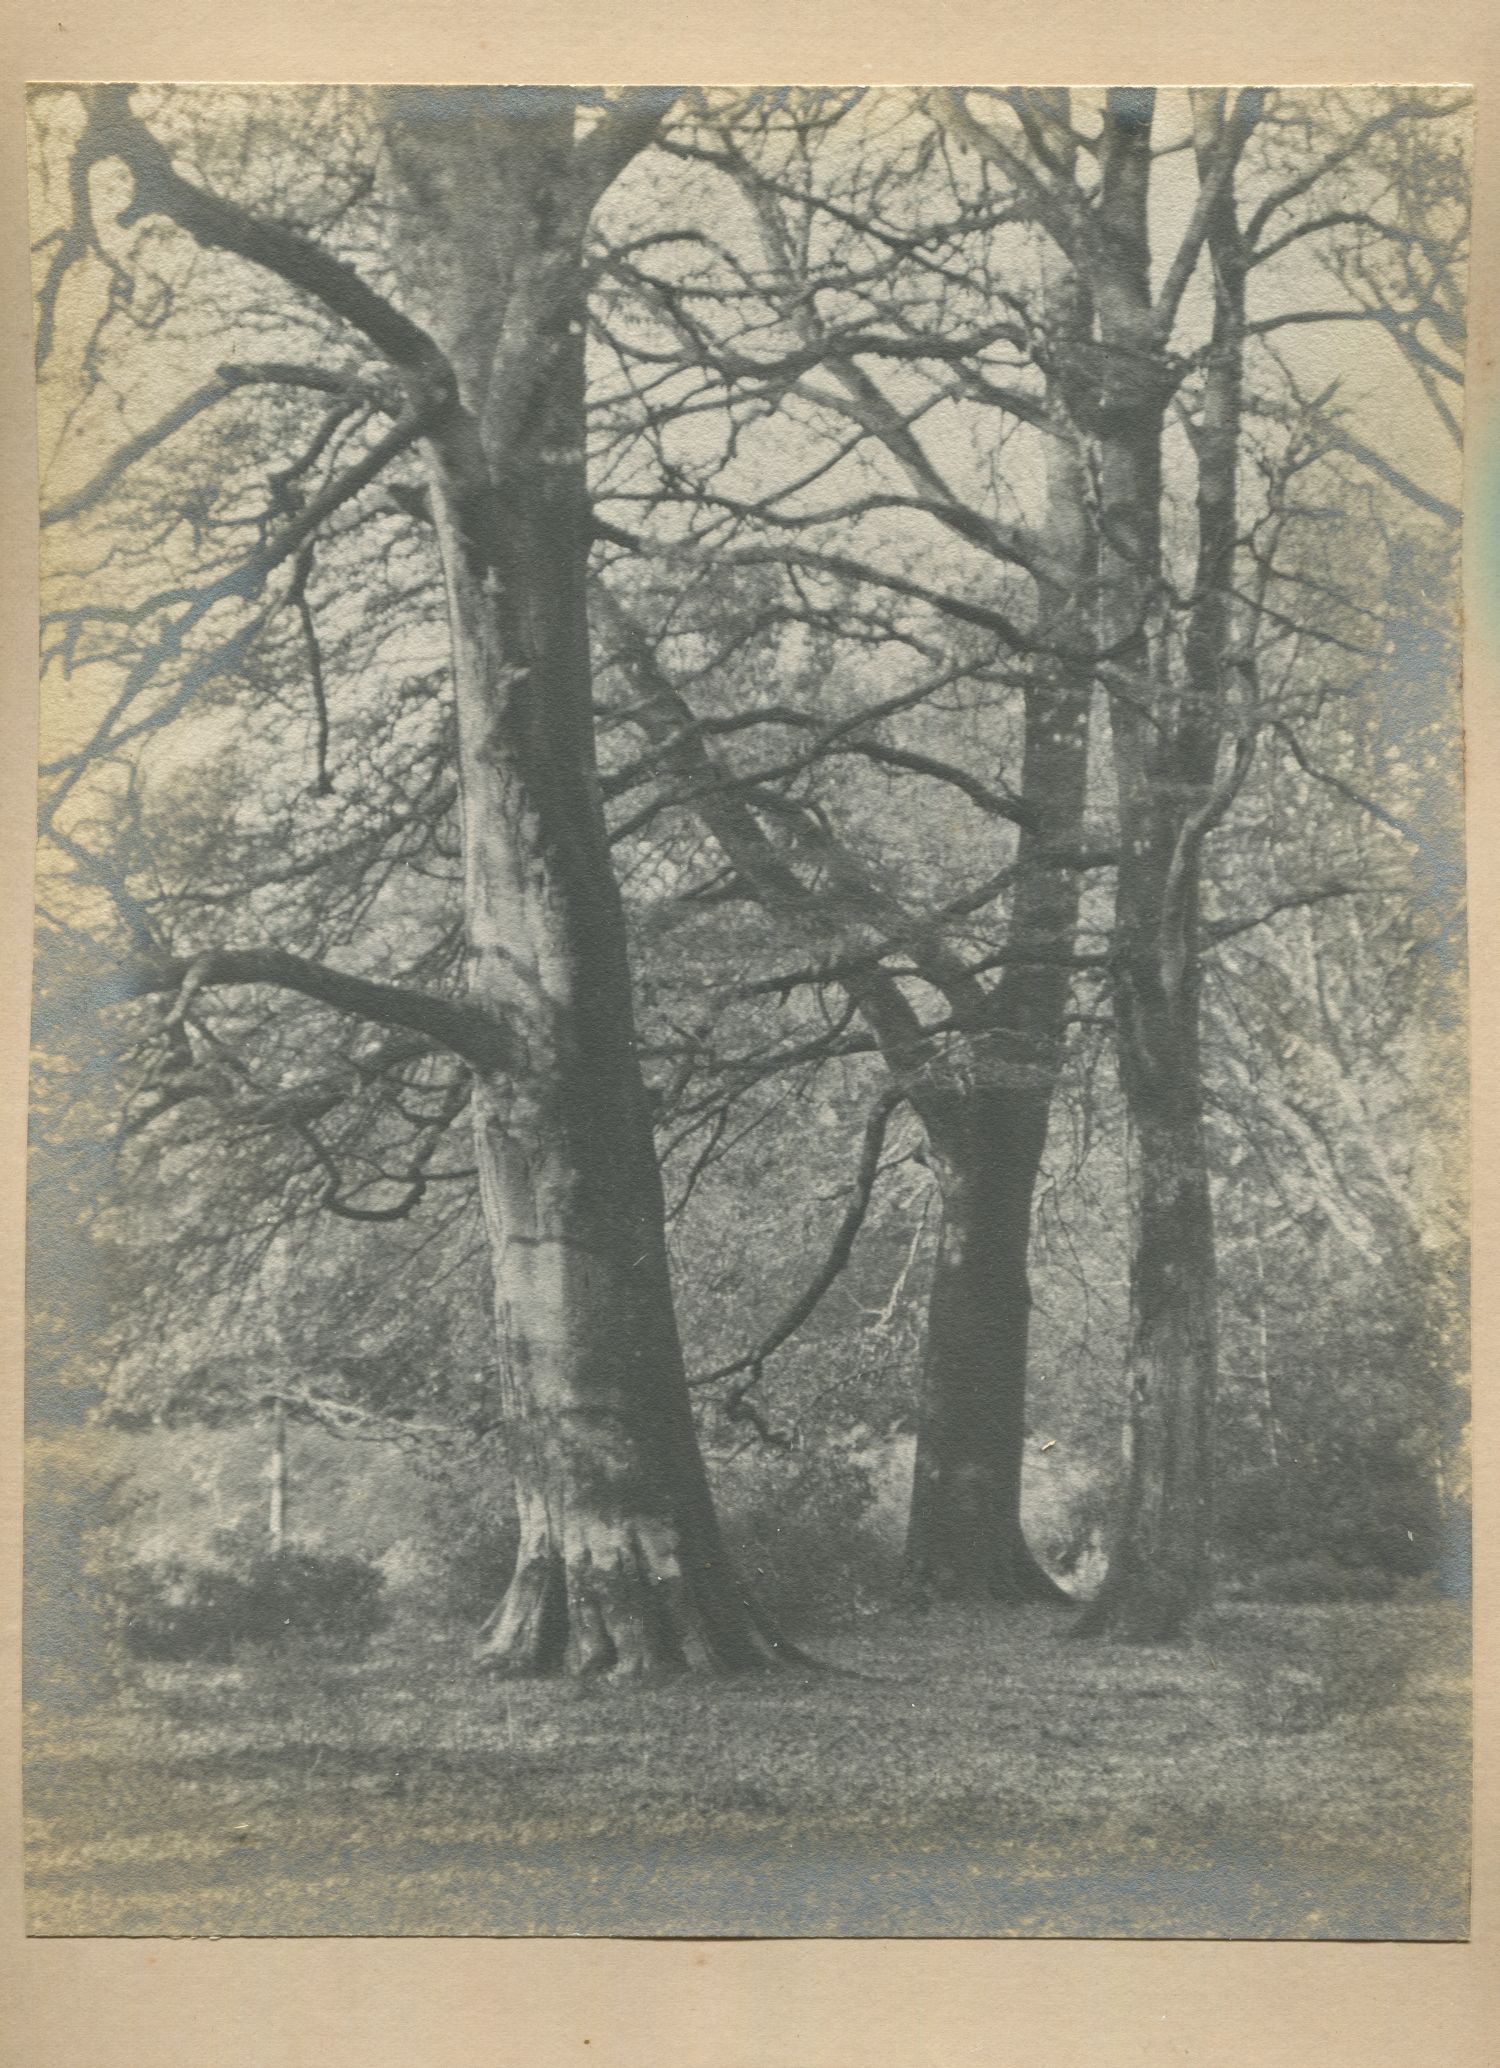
(964, 1538)
(621, 1568)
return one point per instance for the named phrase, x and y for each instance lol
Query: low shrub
(802, 1533)
(177, 1610)
(169, 1610)
(1359, 1509)
(1316, 1579)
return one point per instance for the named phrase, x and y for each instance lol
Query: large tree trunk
(964, 1538)
(620, 1568)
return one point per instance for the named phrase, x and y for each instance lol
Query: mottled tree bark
(620, 1567)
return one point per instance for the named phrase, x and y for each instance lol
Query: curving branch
(622, 134)
(115, 132)
(228, 381)
(1218, 931)
(1216, 170)
(1055, 201)
(866, 1171)
(1349, 147)
(465, 1030)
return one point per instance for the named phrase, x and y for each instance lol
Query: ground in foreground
(1289, 1773)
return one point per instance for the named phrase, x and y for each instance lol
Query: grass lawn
(1290, 1772)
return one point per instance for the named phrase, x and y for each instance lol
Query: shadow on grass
(1289, 1772)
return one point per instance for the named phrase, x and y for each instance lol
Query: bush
(1318, 1579)
(166, 1609)
(802, 1535)
(477, 1566)
(171, 1609)
(1352, 1507)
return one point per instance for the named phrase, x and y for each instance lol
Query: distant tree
(1188, 632)
(865, 292)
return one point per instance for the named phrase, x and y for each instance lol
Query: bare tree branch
(465, 1030)
(866, 1171)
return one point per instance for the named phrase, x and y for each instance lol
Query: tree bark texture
(1167, 723)
(964, 1535)
(621, 1568)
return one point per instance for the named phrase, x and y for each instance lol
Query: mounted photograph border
(808, 2004)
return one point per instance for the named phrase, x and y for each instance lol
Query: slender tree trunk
(1158, 1569)
(1156, 1558)
(621, 1568)
(1166, 730)
(276, 1517)
(964, 1535)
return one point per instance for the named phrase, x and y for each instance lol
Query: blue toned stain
(789, 1886)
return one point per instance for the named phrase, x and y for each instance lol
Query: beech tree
(892, 311)
(1185, 671)
(881, 450)
(863, 292)
(485, 202)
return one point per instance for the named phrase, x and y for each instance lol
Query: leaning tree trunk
(620, 1566)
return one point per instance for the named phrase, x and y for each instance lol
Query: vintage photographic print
(748, 1127)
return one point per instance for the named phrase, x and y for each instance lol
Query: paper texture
(824, 2002)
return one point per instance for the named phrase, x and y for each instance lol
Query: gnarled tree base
(618, 1600)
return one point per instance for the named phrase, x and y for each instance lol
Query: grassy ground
(1291, 1772)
